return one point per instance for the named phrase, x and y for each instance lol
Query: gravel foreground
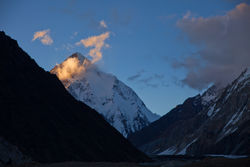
(206, 162)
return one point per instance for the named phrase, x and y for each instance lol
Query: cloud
(43, 36)
(224, 47)
(187, 15)
(103, 24)
(98, 43)
(136, 76)
(70, 69)
(153, 80)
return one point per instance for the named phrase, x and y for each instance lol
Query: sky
(165, 50)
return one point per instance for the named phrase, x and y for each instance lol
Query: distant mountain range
(118, 103)
(41, 121)
(216, 122)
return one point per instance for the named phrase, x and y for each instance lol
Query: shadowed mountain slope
(45, 122)
(216, 122)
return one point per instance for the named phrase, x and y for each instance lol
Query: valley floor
(160, 162)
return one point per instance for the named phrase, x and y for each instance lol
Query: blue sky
(144, 39)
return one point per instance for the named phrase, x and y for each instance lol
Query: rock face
(40, 120)
(118, 103)
(216, 122)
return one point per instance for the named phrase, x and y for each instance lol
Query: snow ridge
(118, 103)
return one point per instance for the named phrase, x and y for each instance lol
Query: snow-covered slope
(216, 122)
(211, 95)
(118, 103)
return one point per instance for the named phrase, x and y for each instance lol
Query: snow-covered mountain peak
(213, 93)
(71, 68)
(118, 103)
(78, 56)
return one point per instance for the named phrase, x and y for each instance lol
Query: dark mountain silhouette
(44, 122)
(169, 128)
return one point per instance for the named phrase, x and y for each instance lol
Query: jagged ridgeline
(216, 122)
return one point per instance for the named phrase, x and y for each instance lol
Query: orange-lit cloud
(43, 36)
(98, 43)
(103, 24)
(70, 69)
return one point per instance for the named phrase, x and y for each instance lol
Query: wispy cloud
(43, 36)
(97, 42)
(151, 80)
(136, 76)
(103, 24)
(154, 80)
(224, 47)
